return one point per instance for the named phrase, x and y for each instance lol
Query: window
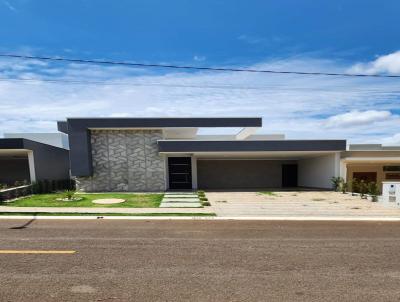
(365, 176)
(390, 176)
(391, 168)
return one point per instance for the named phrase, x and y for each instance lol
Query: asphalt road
(200, 261)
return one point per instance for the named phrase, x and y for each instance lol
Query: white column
(343, 169)
(337, 164)
(31, 163)
(194, 172)
(166, 172)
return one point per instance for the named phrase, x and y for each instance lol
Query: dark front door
(180, 173)
(289, 175)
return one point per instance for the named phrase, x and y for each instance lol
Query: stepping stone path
(108, 201)
(180, 200)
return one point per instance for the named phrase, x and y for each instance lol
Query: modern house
(157, 154)
(33, 156)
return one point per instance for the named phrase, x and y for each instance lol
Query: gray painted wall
(125, 160)
(228, 174)
(13, 170)
(51, 163)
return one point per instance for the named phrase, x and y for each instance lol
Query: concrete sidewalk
(7, 209)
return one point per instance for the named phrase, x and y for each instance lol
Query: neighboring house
(157, 154)
(58, 139)
(371, 162)
(24, 159)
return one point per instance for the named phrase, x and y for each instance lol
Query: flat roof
(23, 144)
(157, 122)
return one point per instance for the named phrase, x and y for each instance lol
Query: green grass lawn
(49, 200)
(267, 193)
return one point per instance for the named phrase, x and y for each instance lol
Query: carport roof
(170, 146)
(23, 144)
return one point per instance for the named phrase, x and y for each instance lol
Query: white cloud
(199, 58)
(9, 6)
(383, 64)
(300, 106)
(250, 39)
(356, 117)
(392, 140)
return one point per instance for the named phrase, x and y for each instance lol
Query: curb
(266, 218)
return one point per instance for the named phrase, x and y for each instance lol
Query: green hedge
(38, 187)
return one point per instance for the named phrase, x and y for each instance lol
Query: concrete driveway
(296, 203)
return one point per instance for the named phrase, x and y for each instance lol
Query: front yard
(50, 200)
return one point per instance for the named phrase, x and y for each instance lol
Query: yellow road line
(34, 252)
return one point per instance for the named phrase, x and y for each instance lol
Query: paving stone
(180, 205)
(180, 193)
(180, 200)
(180, 196)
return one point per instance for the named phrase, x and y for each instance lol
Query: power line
(107, 62)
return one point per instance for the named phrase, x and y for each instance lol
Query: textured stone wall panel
(125, 160)
(117, 160)
(100, 160)
(84, 184)
(136, 161)
(154, 162)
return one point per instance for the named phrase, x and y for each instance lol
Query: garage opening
(244, 174)
(13, 169)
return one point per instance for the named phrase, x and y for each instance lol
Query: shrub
(203, 198)
(363, 188)
(355, 186)
(20, 183)
(45, 186)
(373, 190)
(343, 186)
(68, 194)
(336, 182)
(206, 203)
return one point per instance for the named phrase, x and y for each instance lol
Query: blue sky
(338, 36)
